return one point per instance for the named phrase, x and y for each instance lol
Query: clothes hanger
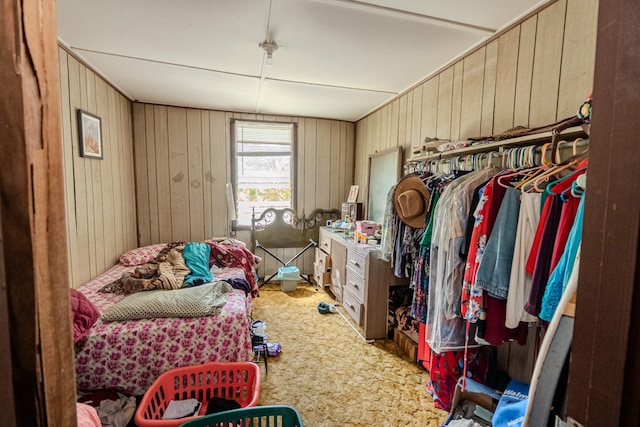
(552, 183)
(539, 168)
(579, 185)
(524, 172)
(566, 164)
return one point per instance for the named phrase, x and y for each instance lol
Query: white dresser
(360, 280)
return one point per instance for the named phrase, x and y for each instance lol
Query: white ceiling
(338, 59)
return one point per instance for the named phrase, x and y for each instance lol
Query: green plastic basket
(254, 416)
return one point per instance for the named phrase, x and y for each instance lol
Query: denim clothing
(494, 272)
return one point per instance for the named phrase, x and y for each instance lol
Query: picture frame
(353, 194)
(90, 135)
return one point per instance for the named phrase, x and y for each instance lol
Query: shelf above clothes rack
(532, 139)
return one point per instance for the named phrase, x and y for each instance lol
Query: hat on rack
(411, 200)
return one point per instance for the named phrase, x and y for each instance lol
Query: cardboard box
(480, 394)
(409, 346)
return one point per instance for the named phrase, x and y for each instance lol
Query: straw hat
(411, 200)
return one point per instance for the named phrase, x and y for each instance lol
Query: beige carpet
(331, 375)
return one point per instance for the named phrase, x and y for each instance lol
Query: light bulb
(269, 59)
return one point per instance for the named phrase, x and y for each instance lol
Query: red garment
(557, 189)
(567, 217)
(234, 256)
(495, 331)
(485, 217)
(447, 367)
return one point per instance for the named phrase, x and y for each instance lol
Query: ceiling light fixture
(269, 47)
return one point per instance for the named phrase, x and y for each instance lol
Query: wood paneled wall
(535, 73)
(99, 194)
(183, 163)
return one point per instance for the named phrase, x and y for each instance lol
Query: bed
(129, 355)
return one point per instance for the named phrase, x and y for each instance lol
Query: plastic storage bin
(289, 277)
(239, 381)
(257, 416)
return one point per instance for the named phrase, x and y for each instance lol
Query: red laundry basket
(239, 381)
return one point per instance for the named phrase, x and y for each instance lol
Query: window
(264, 167)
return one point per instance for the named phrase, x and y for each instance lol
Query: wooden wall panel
(394, 124)
(178, 175)
(416, 121)
(142, 173)
(402, 120)
(456, 101)
(99, 194)
(525, 70)
(163, 187)
(445, 95)
(195, 174)
(323, 162)
(68, 163)
(309, 184)
(190, 164)
(578, 56)
(471, 111)
(384, 126)
(507, 69)
(546, 64)
(220, 173)
(335, 190)
(429, 109)
(408, 121)
(150, 145)
(489, 88)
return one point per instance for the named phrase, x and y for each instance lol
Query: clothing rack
(529, 150)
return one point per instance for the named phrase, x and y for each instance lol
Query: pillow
(204, 300)
(84, 314)
(139, 256)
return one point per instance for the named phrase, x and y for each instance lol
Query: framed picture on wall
(90, 135)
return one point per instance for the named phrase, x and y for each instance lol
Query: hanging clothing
(560, 275)
(445, 368)
(543, 259)
(495, 270)
(423, 265)
(495, 332)
(445, 328)
(386, 242)
(520, 280)
(486, 212)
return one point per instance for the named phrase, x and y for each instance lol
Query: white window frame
(243, 225)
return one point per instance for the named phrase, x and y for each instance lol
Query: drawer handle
(351, 306)
(355, 263)
(355, 285)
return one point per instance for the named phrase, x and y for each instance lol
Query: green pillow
(199, 301)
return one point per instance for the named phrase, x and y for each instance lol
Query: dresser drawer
(323, 261)
(325, 241)
(317, 276)
(357, 263)
(322, 277)
(355, 284)
(352, 305)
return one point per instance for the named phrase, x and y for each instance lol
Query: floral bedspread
(129, 356)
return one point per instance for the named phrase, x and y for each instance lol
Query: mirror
(384, 172)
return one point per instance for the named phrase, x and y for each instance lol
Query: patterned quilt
(128, 356)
